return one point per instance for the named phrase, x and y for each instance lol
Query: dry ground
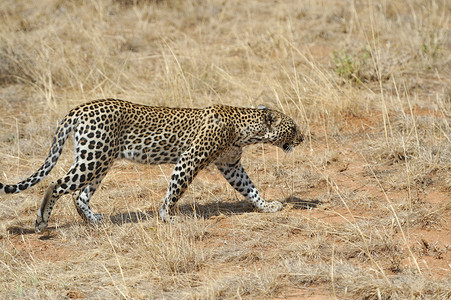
(367, 210)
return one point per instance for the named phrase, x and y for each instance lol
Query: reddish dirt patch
(32, 247)
(433, 248)
(312, 293)
(361, 123)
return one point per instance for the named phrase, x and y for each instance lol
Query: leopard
(107, 130)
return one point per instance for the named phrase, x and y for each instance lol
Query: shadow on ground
(209, 210)
(131, 217)
(16, 230)
(205, 211)
(299, 203)
(46, 233)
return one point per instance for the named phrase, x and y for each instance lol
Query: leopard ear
(262, 107)
(272, 119)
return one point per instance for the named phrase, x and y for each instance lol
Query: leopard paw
(271, 207)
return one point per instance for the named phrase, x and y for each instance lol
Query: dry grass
(367, 197)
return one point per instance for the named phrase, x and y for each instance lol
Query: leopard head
(281, 130)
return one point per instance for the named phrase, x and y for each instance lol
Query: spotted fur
(110, 129)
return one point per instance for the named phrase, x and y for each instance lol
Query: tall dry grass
(367, 208)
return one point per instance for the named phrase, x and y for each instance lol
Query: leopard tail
(59, 139)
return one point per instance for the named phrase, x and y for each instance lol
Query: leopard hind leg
(82, 203)
(68, 184)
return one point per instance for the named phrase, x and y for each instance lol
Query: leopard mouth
(287, 147)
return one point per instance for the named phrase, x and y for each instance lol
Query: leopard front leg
(189, 164)
(202, 152)
(235, 174)
(182, 175)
